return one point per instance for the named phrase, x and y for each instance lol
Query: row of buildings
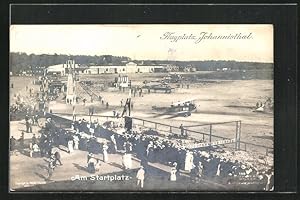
(130, 67)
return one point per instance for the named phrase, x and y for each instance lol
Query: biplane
(158, 87)
(173, 78)
(178, 109)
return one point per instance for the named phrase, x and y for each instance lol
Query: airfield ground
(218, 100)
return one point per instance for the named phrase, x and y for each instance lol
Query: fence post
(143, 123)
(236, 135)
(170, 129)
(210, 132)
(155, 126)
(240, 131)
(266, 151)
(203, 136)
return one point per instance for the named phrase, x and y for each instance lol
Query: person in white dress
(112, 137)
(173, 174)
(127, 161)
(140, 176)
(76, 142)
(35, 149)
(200, 169)
(105, 155)
(218, 170)
(267, 187)
(92, 131)
(189, 159)
(70, 146)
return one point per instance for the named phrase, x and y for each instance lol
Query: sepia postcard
(156, 107)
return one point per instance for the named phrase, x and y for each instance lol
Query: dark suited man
(57, 158)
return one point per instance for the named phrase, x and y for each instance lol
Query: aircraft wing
(182, 102)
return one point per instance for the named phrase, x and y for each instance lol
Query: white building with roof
(61, 69)
(130, 67)
(56, 70)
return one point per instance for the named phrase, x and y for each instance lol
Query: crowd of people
(208, 163)
(203, 163)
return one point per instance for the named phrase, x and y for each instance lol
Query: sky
(147, 42)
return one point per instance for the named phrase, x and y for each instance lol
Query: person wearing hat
(114, 142)
(173, 172)
(189, 159)
(89, 155)
(140, 176)
(214, 166)
(57, 157)
(92, 164)
(28, 124)
(127, 161)
(181, 130)
(199, 169)
(242, 170)
(35, 149)
(33, 141)
(12, 144)
(270, 181)
(70, 145)
(50, 126)
(218, 170)
(148, 149)
(207, 167)
(21, 140)
(128, 146)
(76, 141)
(104, 151)
(51, 167)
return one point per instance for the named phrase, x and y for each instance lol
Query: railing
(176, 130)
(204, 136)
(238, 145)
(247, 146)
